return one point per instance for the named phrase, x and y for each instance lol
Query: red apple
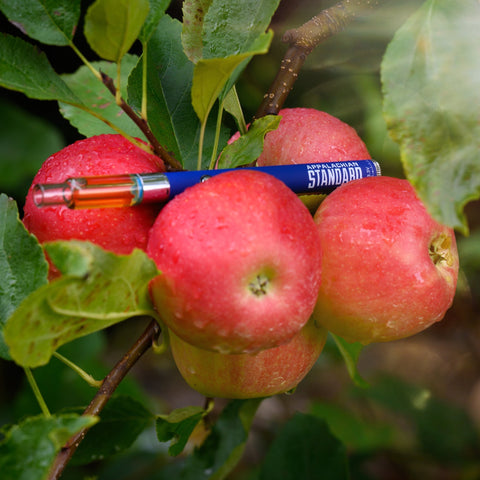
(307, 135)
(240, 257)
(389, 270)
(117, 229)
(269, 372)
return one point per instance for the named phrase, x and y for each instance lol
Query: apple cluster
(251, 279)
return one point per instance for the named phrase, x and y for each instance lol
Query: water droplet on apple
(63, 212)
(223, 332)
(419, 277)
(277, 382)
(287, 233)
(391, 324)
(199, 323)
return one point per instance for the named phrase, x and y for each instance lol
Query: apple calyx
(260, 285)
(440, 250)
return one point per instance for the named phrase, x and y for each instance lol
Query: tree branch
(302, 41)
(171, 162)
(104, 393)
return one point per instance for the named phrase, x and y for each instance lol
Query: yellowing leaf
(97, 290)
(211, 75)
(193, 15)
(111, 26)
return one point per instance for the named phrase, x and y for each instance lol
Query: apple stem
(302, 41)
(79, 371)
(208, 407)
(36, 391)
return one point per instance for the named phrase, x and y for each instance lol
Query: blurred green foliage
(26, 140)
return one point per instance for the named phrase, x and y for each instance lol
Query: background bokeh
(420, 417)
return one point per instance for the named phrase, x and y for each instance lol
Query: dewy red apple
(240, 257)
(307, 135)
(269, 372)
(389, 270)
(117, 229)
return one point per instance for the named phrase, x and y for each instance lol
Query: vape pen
(132, 189)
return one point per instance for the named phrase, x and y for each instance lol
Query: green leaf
(49, 21)
(97, 290)
(193, 17)
(223, 448)
(305, 448)
(211, 76)
(99, 99)
(25, 69)
(221, 37)
(356, 433)
(156, 12)
(231, 104)
(431, 83)
(233, 28)
(169, 109)
(122, 420)
(20, 159)
(76, 259)
(248, 147)
(29, 448)
(350, 353)
(111, 26)
(178, 426)
(169, 75)
(23, 267)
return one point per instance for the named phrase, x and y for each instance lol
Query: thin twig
(104, 393)
(301, 42)
(170, 161)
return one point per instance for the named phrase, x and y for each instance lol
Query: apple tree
(241, 331)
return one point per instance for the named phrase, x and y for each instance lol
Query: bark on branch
(104, 393)
(170, 161)
(302, 41)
